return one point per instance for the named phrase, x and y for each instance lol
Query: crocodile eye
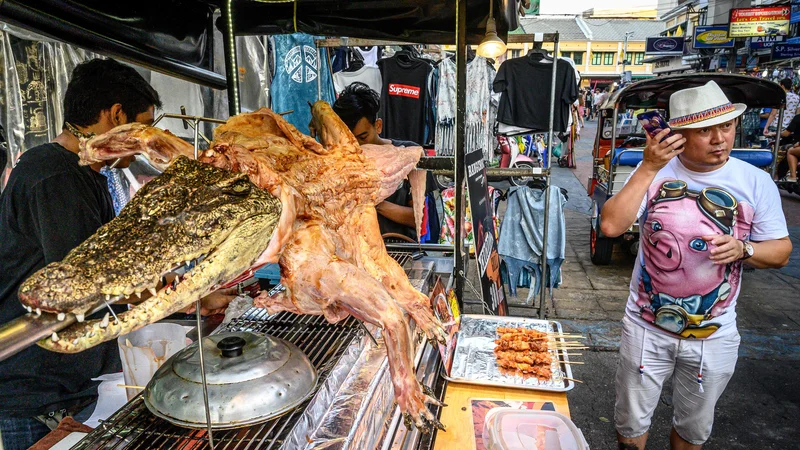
(698, 244)
(656, 225)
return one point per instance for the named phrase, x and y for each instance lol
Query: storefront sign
(665, 46)
(768, 21)
(766, 41)
(494, 301)
(795, 12)
(785, 51)
(715, 36)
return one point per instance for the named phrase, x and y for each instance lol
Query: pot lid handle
(231, 346)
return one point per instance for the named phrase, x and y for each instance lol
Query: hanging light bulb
(491, 46)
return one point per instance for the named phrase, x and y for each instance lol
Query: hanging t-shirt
(405, 97)
(175, 93)
(294, 82)
(369, 75)
(675, 287)
(371, 55)
(525, 87)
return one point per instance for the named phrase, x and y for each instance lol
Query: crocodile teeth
(79, 317)
(29, 308)
(54, 337)
(38, 312)
(61, 316)
(104, 322)
(152, 291)
(138, 294)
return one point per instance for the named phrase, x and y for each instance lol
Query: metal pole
(319, 74)
(545, 276)
(231, 64)
(624, 55)
(461, 118)
(611, 170)
(196, 133)
(777, 144)
(198, 306)
(203, 375)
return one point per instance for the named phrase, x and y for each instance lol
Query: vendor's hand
(727, 249)
(214, 303)
(658, 153)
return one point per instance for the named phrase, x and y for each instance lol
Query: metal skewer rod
(198, 307)
(203, 373)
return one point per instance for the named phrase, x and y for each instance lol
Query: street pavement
(757, 410)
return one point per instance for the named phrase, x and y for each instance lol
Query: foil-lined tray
(474, 361)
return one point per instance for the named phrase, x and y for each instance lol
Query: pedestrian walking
(702, 215)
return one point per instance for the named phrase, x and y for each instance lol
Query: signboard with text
(665, 46)
(795, 12)
(769, 21)
(766, 41)
(494, 301)
(713, 36)
(785, 51)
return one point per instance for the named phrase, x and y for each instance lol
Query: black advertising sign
(665, 46)
(494, 301)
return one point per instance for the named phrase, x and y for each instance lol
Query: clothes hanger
(356, 62)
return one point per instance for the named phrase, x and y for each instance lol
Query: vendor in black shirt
(358, 107)
(50, 205)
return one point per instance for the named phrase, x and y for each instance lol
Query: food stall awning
(176, 36)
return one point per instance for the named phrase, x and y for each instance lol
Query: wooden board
(457, 416)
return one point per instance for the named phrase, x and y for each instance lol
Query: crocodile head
(210, 222)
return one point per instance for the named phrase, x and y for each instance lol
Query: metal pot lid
(251, 378)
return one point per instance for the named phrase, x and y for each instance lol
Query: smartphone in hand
(653, 122)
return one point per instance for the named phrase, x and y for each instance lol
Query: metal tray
(474, 361)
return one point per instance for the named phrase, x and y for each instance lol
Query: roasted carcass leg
(318, 281)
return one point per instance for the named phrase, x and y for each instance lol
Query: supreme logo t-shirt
(405, 98)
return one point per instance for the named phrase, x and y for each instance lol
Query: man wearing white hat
(701, 214)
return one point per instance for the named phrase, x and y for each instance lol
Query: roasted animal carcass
(327, 241)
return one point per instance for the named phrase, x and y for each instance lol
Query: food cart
(352, 403)
(618, 129)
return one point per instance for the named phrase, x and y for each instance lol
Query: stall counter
(457, 416)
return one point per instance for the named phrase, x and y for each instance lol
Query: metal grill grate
(401, 257)
(134, 427)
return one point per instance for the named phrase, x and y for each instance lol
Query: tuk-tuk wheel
(601, 247)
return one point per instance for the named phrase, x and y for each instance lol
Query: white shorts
(694, 392)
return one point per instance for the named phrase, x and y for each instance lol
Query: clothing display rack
(539, 38)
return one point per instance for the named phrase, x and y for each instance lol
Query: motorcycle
(510, 157)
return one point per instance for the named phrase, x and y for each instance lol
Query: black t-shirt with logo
(404, 97)
(49, 206)
(525, 86)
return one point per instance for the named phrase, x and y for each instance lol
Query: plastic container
(522, 429)
(144, 351)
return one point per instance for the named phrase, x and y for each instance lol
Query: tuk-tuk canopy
(655, 92)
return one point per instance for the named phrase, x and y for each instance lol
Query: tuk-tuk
(619, 129)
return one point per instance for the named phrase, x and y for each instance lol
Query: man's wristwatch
(748, 250)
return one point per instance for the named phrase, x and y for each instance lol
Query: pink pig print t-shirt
(675, 287)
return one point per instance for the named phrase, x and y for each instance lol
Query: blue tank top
(294, 83)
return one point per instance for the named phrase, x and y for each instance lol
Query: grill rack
(134, 427)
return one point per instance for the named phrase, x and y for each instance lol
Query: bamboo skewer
(129, 386)
(573, 379)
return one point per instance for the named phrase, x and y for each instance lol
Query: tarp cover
(175, 36)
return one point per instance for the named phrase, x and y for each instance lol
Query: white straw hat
(702, 106)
